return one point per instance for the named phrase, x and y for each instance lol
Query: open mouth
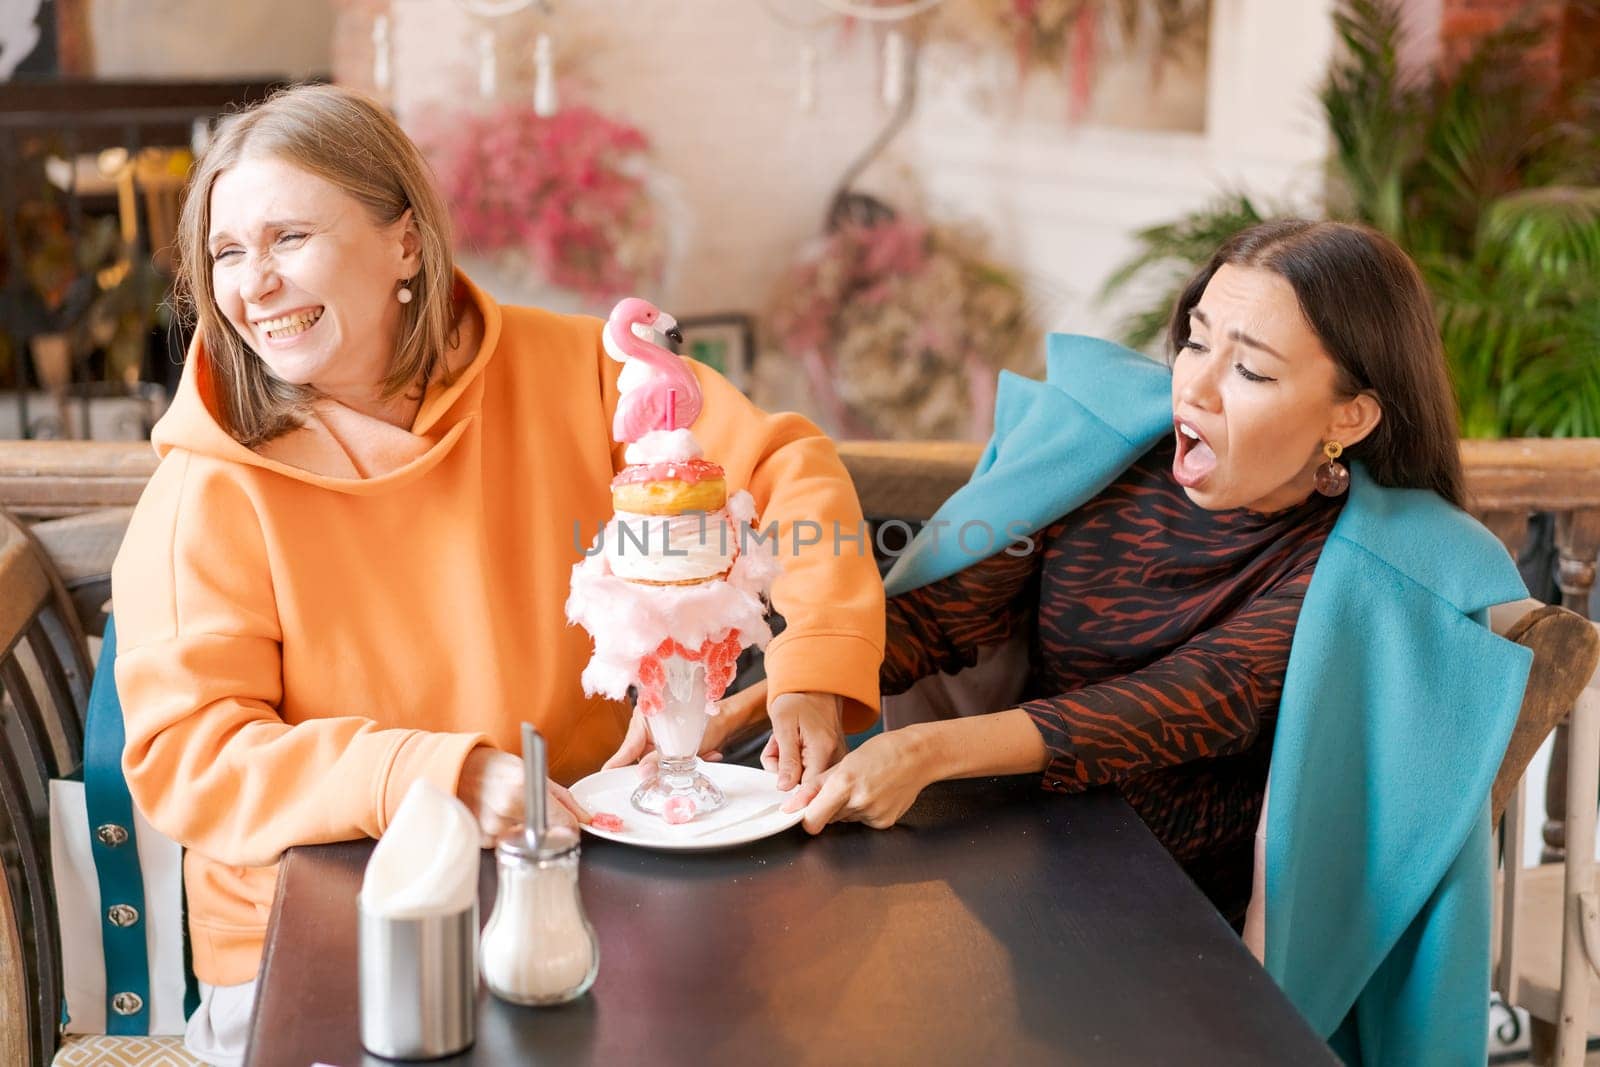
(284, 327)
(1194, 459)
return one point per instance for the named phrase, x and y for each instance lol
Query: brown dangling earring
(1333, 477)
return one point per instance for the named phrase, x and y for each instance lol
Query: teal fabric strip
(116, 866)
(1056, 444)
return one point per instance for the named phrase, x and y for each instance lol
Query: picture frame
(724, 342)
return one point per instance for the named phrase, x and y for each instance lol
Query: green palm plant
(1374, 113)
(1491, 191)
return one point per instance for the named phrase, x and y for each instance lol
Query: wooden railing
(53, 479)
(1508, 481)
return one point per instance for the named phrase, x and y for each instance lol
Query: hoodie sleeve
(829, 592)
(199, 666)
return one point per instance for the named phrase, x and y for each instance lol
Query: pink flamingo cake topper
(658, 391)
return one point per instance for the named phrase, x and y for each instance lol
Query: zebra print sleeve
(942, 626)
(1209, 697)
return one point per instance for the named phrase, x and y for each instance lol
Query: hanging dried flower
(902, 327)
(568, 193)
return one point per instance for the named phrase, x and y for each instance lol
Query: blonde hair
(348, 140)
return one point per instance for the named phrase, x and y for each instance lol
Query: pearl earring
(404, 295)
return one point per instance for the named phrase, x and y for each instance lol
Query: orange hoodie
(306, 630)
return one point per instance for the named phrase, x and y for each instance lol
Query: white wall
(747, 174)
(751, 176)
(1064, 202)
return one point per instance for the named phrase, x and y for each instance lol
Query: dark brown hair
(1368, 305)
(343, 137)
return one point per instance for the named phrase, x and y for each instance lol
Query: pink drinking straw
(672, 409)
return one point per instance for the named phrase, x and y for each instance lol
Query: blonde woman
(348, 572)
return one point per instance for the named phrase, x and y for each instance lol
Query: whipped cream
(670, 548)
(663, 446)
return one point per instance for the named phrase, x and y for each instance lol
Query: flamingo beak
(675, 335)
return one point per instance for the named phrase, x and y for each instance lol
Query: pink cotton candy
(678, 810)
(629, 621)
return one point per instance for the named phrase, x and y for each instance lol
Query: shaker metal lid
(558, 841)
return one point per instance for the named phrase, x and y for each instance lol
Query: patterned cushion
(99, 1050)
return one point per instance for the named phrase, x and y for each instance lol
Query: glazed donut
(670, 488)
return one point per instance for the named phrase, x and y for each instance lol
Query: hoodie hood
(337, 447)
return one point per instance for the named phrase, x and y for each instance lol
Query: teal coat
(1395, 713)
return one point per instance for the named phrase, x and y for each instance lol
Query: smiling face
(1255, 396)
(306, 277)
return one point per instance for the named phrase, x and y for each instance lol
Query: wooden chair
(1548, 918)
(81, 549)
(44, 678)
(44, 683)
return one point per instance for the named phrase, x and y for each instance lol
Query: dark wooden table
(996, 924)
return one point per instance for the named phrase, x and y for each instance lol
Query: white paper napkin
(426, 863)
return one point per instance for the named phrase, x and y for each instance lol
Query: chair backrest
(44, 680)
(81, 549)
(1566, 649)
(1531, 922)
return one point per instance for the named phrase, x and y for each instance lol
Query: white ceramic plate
(754, 810)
